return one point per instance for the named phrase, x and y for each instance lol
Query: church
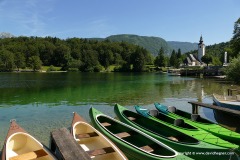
(192, 60)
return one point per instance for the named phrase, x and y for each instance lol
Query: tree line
(74, 54)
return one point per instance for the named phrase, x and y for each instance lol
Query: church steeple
(201, 49)
(201, 40)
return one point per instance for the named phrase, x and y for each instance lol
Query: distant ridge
(152, 44)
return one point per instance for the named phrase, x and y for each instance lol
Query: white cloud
(27, 15)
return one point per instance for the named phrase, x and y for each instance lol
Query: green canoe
(196, 120)
(179, 124)
(175, 139)
(135, 144)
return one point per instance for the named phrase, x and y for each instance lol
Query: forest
(73, 54)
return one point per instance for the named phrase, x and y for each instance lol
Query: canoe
(135, 144)
(93, 142)
(180, 125)
(175, 139)
(198, 121)
(20, 145)
(231, 102)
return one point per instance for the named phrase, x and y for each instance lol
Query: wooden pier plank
(68, 148)
(214, 107)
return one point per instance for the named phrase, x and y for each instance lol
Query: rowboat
(93, 142)
(180, 125)
(20, 145)
(173, 138)
(134, 143)
(231, 102)
(198, 121)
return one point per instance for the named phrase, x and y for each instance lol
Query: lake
(42, 102)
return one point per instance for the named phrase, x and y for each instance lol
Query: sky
(172, 20)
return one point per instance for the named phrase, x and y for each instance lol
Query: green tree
(138, 60)
(174, 60)
(19, 60)
(35, 63)
(235, 41)
(90, 61)
(216, 61)
(6, 60)
(179, 54)
(232, 70)
(160, 59)
(207, 59)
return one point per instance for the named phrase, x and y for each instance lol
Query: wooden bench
(125, 134)
(100, 151)
(147, 148)
(132, 118)
(173, 138)
(105, 124)
(86, 135)
(30, 155)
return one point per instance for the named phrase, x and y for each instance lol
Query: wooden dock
(195, 108)
(65, 147)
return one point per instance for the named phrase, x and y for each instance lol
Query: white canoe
(231, 102)
(93, 142)
(19, 145)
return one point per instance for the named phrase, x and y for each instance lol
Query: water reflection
(42, 102)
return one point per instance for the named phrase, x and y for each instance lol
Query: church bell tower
(201, 49)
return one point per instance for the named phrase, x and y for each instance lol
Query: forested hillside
(71, 54)
(184, 46)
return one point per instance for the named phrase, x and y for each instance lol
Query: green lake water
(42, 102)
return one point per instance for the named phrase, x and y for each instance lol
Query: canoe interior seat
(105, 124)
(30, 155)
(132, 118)
(125, 134)
(101, 151)
(154, 112)
(173, 138)
(86, 135)
(147, 148)
(195, 117)
(179, 122)
(172, 109)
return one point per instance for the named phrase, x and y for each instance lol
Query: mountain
(184, 46)
(6, 35)
(152, 44)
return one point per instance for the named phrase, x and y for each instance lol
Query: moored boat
(198, 121)
(134, 143)
(231, 102)
(20, 145)
(93, 142)
(180, 125)
(175, 139)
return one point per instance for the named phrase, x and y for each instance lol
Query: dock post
(194, 108)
